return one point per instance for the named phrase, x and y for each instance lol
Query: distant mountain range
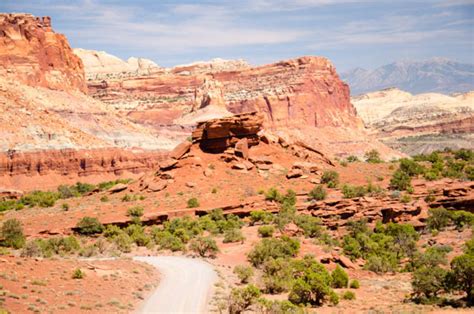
(435, 75)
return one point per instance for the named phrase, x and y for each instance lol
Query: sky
(352, 33)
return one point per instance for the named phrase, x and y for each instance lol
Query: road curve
(184, 288)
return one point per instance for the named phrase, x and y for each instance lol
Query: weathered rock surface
(419, 123)
(31, 52)
(219, 134)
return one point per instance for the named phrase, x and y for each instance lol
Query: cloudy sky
(352, 33)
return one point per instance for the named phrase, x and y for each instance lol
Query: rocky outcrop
(418, 123)
(219, 134)
(101, 65)
(54, 167)
(31, 52)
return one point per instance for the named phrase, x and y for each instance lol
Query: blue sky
(351, 33)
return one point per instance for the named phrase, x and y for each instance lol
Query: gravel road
(184, 288)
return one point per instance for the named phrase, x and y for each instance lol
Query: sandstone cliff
(31, 52)
(419, 123)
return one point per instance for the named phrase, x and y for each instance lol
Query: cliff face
(418, 123)
(31, 52)
(305, 91)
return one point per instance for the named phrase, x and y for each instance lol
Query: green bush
(233, 235)
(428, 281)
(260, 216)
(340, 279)
(462, 219)
(112, 231)
(311, 226)
(318, 193)
(411, 167)
(438, 218)
(312, 283)
(78, 274)
(400, 181)
(351, 191)
(406, 198)
(40, 198)
(204, 246)
(348, 295)
(123, 242)
(331, 178)
(193, 203)
(354, 284)
(104, 199)
(12, 234)
(244, 273)
(277, 275)
(266, 231)
(273, 248)
(373, 157)
(167, 241)
(352, 158)
(380, 264)
(242, 298)
(11, 205)
(137, 235)
(273, 195)
(464, 154)
(135, 212)
(461, 276)
(89, 226)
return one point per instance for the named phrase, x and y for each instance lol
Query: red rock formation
(54, 167)
(301, 92)
(31, 52)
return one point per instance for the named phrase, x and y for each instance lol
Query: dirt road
(184, 288)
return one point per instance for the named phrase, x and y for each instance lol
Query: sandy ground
(185, 286)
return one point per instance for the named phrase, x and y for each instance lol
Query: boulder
(239, 166)
(157, 186)
(191, 184)
(168, 164)
(242, 148)
(118, 188)
(294, 173)
(180, 150)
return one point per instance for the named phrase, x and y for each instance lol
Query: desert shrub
(204, 246)
(428, 281)
(273, 248)
(403, 238)
(411, 167)
(331, 178)
(167, 241)
(406, 198)
(462, 219)
(438, 218)
(193, 203)
(464, 154)
(137, 234)
(312, 283)
(277, 275)
(108, 184)
(400, 181)
(10, 205)
(432, 257)
(242, 298)
(104, 199)
(461, 276)
(354, 284)
(373, 157)
(12, 234)
(348, 295)
(380, 264)
(318, 193)
(88, 251)
(260, 216)
(351, 191)
(374, 190)
(430, 197)
(89, 226)
(78, 274)
(352, 158)
(284, 216)
(266, 231)
(123, 242)
(233, 235)
(356, 227)
(311, 226)
(135, 212)
(340, 279)
(111, 231)
(40, 198)
(244, 273)
(278, 307)
(31, 249)
(273, 195)
(431, 175)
